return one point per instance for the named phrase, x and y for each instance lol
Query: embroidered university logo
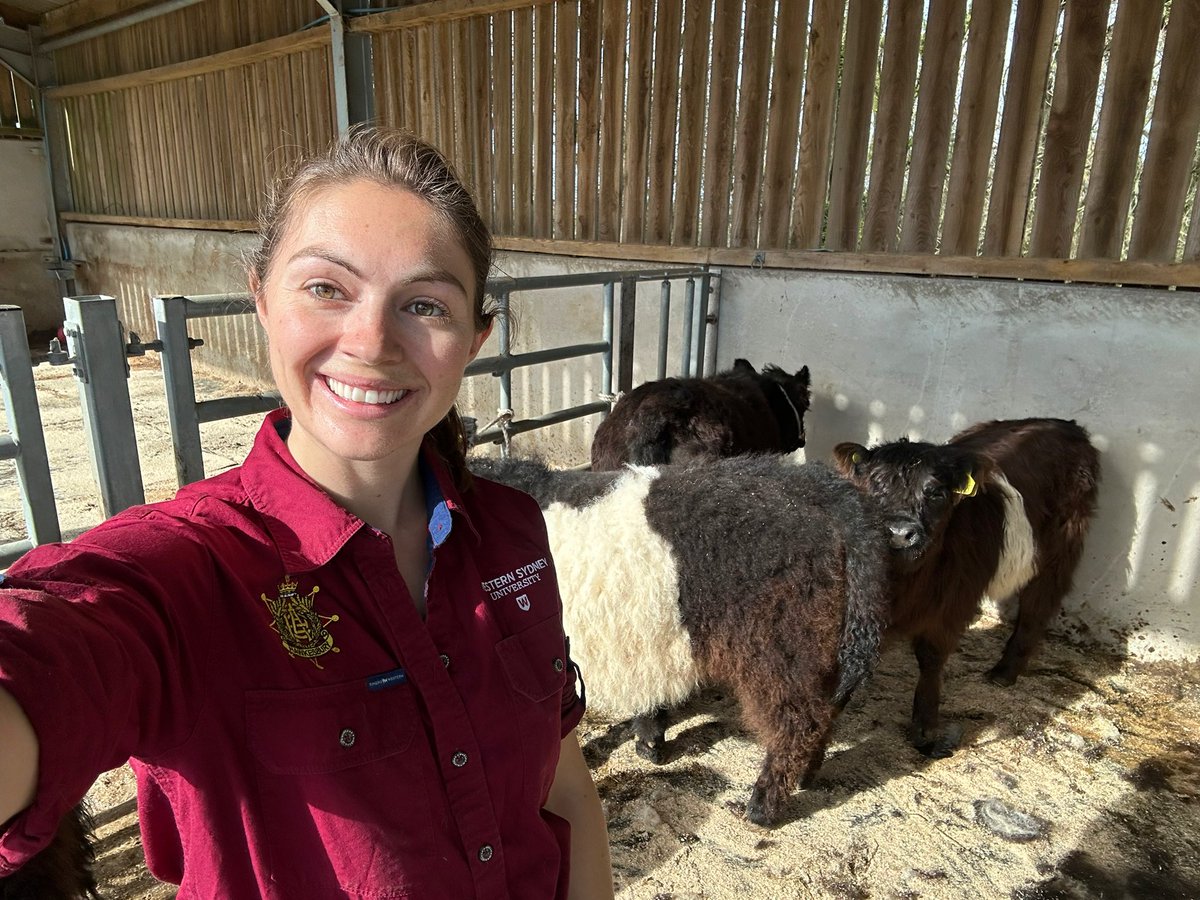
(511, 583)
(301, 629)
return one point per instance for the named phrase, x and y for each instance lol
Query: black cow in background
(1002, 509)
(728, 414)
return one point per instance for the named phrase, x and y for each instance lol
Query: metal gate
(25, 442)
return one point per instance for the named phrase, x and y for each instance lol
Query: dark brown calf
(1001, 509)
(679, 419)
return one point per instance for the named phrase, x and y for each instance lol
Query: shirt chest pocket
(535, 666)
(535, 660)
(322, 730)
(336, 767)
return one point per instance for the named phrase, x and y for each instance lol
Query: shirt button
(458, 760)
(445, 661)
(558, 665)
(485, 852)
(347, 738)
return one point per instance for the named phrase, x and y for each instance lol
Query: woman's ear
(480, 337)
(256, 292)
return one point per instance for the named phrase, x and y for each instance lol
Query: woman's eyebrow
(434, 274)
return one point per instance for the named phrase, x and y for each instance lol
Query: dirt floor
(1082, 781)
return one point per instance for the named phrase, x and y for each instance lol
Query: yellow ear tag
(856, 457)
(969, 487)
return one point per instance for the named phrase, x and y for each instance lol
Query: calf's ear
(803, 377)
(848, 455)
(966, 485)
(744, 365)
(972, 471)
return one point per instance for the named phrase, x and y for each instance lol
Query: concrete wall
(135, 264)
(26, 238)
(890, 356)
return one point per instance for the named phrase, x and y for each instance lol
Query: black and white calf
(1000, 510)
(754, 573)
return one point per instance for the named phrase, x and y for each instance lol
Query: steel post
(170, 317)
(94, 338)
(27, 445)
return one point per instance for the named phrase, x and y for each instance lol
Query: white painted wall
(26, 238)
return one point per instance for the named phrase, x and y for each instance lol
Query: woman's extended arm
(18, 758)
(573, 797)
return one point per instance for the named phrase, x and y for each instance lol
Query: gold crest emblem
(302, 630)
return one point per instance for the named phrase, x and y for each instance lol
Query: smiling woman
(319, 695)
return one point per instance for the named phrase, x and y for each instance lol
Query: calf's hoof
(759, 811)
(934, 744)
(655, 753)
(1003, 675)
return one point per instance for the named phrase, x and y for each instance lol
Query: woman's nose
(368, 333)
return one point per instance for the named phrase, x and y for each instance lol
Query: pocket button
(485, 852)
(347, 737)
(558, 665)
(458, 760)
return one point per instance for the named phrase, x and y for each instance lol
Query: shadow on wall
(1137, 581)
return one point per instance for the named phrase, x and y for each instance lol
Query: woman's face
(369, 310)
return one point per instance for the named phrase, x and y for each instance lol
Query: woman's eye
(425, 308)
(323, 291)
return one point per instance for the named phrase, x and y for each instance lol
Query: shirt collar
(306, 524)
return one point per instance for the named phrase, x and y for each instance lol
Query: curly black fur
(62, 871)
(678, 419)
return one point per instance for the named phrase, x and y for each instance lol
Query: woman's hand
(18, 758)
(573, 797)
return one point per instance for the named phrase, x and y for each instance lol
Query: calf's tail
(867, 606)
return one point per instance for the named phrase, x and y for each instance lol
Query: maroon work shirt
(296, 729)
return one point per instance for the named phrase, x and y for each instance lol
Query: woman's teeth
(358, 395)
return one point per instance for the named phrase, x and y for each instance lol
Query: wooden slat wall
(957, 128)
(202, 146)
(18, 105)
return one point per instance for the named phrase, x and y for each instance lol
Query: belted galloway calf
(753, 573)
(1002, 509)
(675, 420)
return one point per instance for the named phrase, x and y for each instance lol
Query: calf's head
(917, 487)
(796, 393)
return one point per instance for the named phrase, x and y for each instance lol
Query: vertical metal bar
(505, 353)
(19, 393)
(701, 331)
(689, 314)
(337, 35)
(94, 338)
(606, 361)
(170, 317)
(664, 324)
(628, 316)
(711, 285)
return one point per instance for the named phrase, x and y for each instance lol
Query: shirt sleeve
(574, 695)
(98, 657)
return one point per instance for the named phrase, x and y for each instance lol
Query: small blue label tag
(386, 680)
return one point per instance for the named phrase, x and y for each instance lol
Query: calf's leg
(1038, 602)
(931, 661)
(649, 736)
(795, 733)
